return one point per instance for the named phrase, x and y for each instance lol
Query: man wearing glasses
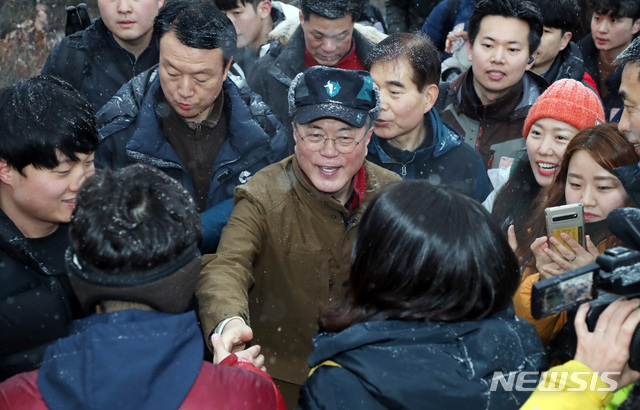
(286, 249)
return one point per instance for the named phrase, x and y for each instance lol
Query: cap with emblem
(326, 92)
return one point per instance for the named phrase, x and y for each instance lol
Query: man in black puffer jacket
(116, 47)
(47, 138)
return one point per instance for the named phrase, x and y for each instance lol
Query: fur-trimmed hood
(283, 32)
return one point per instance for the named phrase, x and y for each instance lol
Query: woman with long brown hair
(585, 176)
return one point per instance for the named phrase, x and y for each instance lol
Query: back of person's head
(197, 24)
(616, 8)
(416, 49)
(523, 10)
(560, 14)
(226, 5)
(41, 116)
(425, 252)
(332, 9)
(630, 55)
(134, 237)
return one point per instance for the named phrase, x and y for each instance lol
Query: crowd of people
(257, 204)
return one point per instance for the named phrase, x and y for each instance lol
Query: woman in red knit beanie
(565, 108)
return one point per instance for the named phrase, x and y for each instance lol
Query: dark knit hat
(568, 101)
(326, 92)
(167, 288)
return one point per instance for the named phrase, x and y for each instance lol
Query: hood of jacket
(445, 138)
(126, 359)
(459, 358)
(283, 32)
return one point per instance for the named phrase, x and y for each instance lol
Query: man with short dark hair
(47, 138)
(557, 57)
(116, 47)
(326, 37)
(133, 263)
(187, 117)
(488, 103)
(287, 246)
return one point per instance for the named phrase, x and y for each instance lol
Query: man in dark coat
(488, 103)
(114, 48)
(47, 138)
(189, 118)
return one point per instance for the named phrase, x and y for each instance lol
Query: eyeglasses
(316, 142)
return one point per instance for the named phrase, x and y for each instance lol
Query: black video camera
(615, 274)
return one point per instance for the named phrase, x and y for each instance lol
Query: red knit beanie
(567, 101)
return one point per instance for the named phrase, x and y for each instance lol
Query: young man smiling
(488, 103)
(47, 139)
(116, 47)
(287, 246)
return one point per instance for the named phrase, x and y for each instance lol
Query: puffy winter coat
(95, 65)
(421, 364)
(134, 359)
(131, 132)
(36, 303)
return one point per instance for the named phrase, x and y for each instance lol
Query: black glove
(77, 19)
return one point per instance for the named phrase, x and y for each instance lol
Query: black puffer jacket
(36, 304)
(414, 365)
(95, 65)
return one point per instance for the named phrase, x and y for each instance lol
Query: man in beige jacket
(286, 249)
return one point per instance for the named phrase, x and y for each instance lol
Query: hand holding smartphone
(568, 219)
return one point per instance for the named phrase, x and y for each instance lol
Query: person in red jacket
(134, 261)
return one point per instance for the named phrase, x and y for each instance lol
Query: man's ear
(564, 42)
(264, 9)
(469, 47)
(227, 68)
(636, 26)
(301, 18)
(431, 96)
(6, 172)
